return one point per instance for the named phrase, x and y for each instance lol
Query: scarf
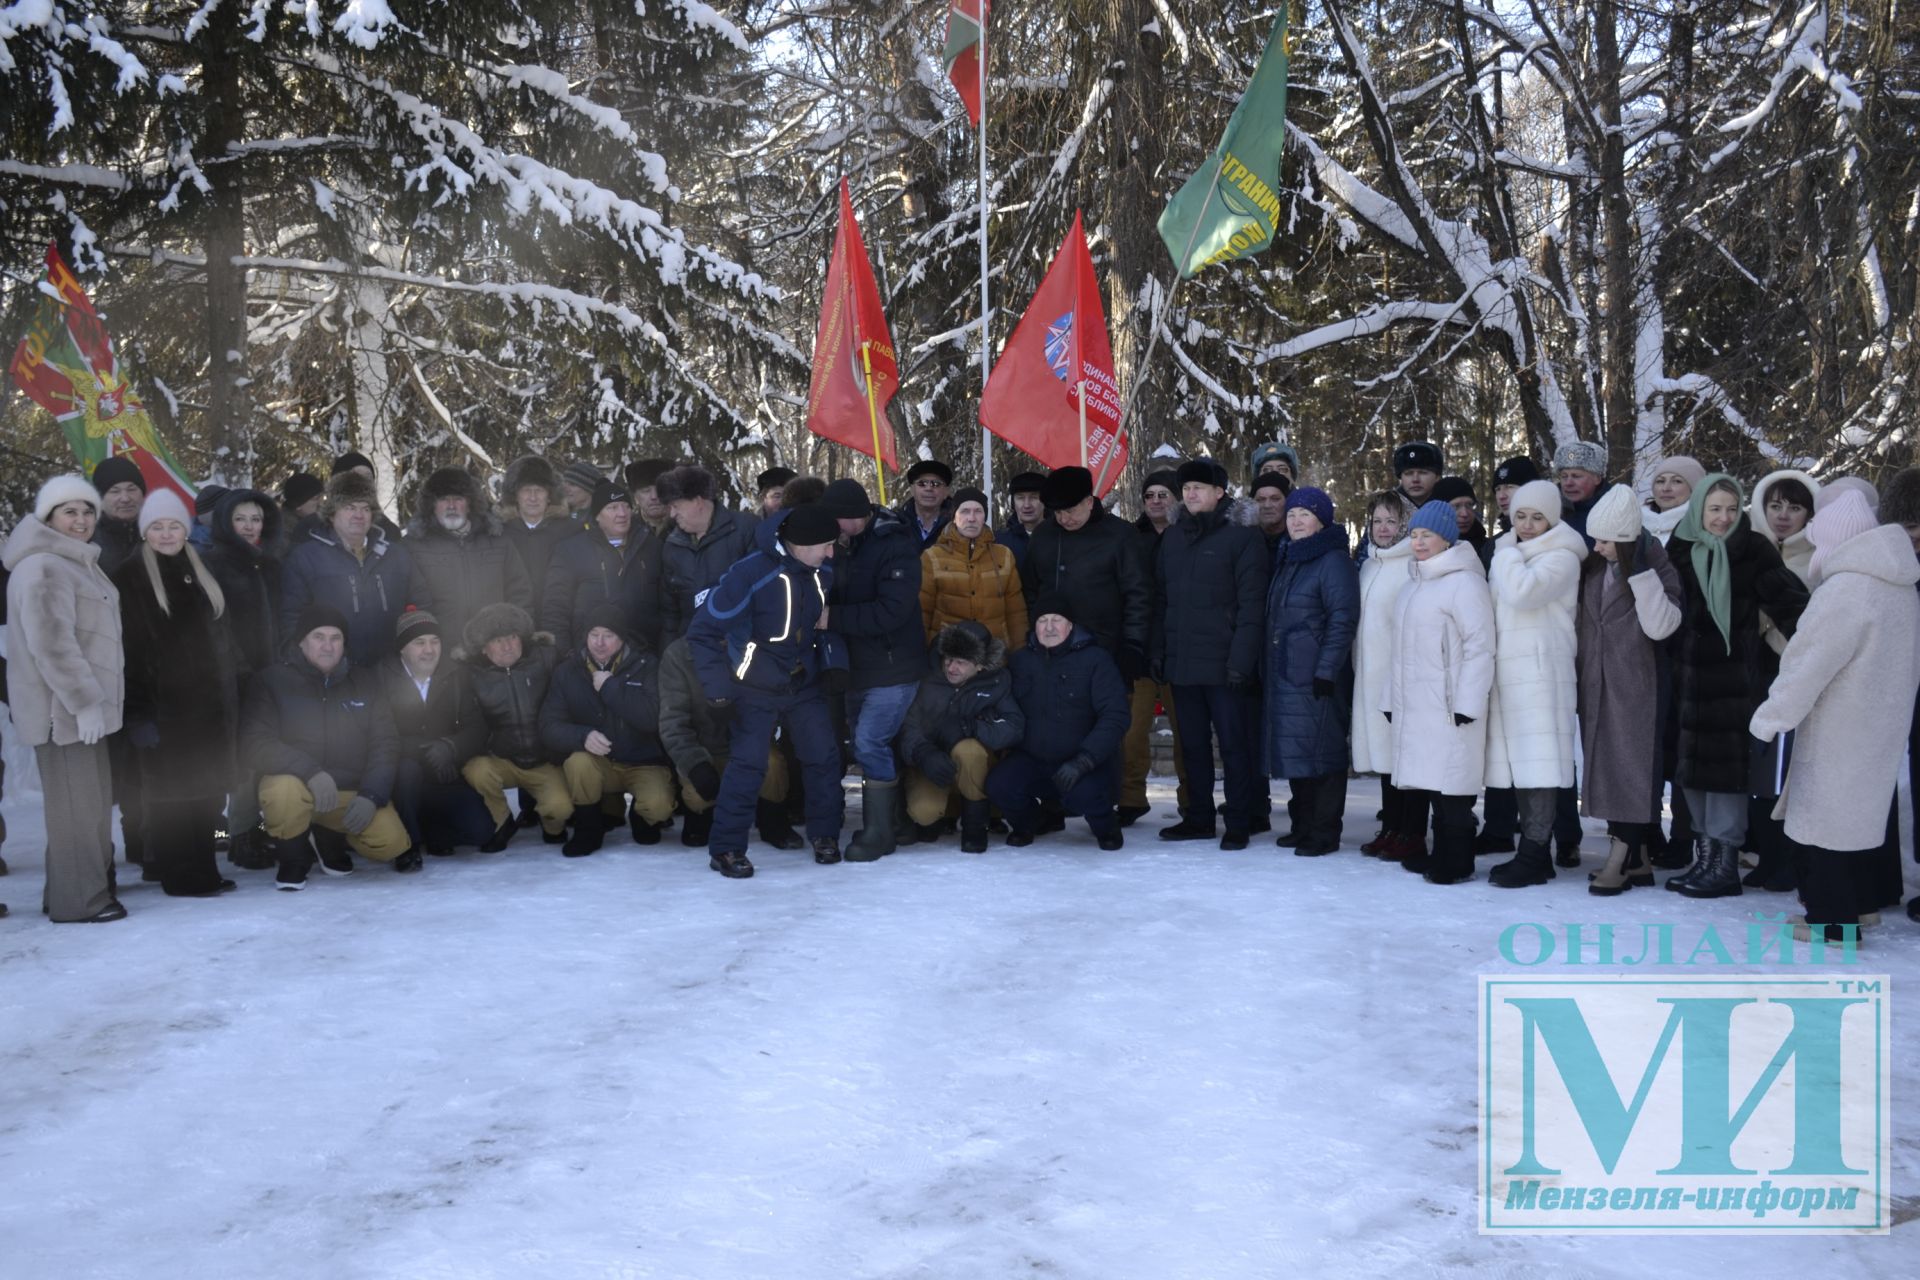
(1712, 567)
(1311, 547)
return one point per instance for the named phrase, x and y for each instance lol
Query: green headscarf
(1711, 567)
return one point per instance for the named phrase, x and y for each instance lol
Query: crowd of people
(296, 680)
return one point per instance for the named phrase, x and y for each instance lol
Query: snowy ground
(1164, 1062)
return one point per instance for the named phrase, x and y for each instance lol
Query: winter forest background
(453, 232)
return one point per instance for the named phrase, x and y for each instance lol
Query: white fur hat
(163, 504)
(60, 490)
(1616, 517)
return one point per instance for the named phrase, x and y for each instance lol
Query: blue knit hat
(1436, 517)
(1315, 500)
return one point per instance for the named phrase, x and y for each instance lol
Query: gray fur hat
(684, 482)
(1581, 455)
(493, 621)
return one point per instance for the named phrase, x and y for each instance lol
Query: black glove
(437, 758)
(1133, 663)
(835, 679)
(1462, 721)
(706, 780)
(1624, 554)
(937, 767)
(1241, 685)
(1388, 715)
(1068, 775)
(1323, 688)
(144, 734)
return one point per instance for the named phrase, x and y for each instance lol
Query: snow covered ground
(1163, 1062)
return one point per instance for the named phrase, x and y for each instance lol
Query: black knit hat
(1202, 471)
(1053, 602)
(605, 494)
(967, 493)
(612, 617)
(1026, 482)
(930, 467)
(315, 616)
(1066, 487)
(119, 469)
(846, 500)
(773, 478)
(301, 488)
(1166, 477)
(809, 526)
(1272, 480)
(1420, 455)
(1515, 471)
(206, 497)
(350, 459)
(412, 624)
(1449, 488)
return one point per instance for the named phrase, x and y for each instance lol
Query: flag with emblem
(851, 347)
(966, 44)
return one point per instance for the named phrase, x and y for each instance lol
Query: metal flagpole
(986, 313)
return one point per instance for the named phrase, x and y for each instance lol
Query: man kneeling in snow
(603, 714)
(962, 717)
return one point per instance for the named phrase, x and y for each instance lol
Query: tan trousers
(592, 779)
(774, 788)
(1138, 752)
(491, 776)
(927, 801)
(286, 806)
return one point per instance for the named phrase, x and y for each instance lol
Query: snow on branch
(609, 121)
(1374, 320)
(1709, 394)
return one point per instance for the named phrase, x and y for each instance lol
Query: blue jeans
(874, 717)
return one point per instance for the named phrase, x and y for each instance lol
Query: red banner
(850, 347)
(966, 41)
(1060, 351)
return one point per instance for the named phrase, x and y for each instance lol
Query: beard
(456, 525)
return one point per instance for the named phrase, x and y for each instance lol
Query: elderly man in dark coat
(461, 550)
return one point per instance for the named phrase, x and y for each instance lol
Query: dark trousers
(1402, 812)
(438, 815)
(1020, 783)
(177, 839)
(809, 724)
(1452, 833)
(1207, 711)
(1835, 886)
(1318, 807)
(1503, 815)
(124, 760)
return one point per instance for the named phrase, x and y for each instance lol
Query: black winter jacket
(466, 574)
(510, 699)
(1073, 699)
(626, 708)
(1209, 600)
(117, 539)
(299, 722)
(536, 547)
(450, 714)
(875, 603)
(983, 709)
(692, 730)
(587, 571)
(180, 678)
(1102, 573)
(688, 568)
(249, 577)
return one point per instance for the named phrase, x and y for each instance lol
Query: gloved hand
(1133, 663)
(1068, 775)
(326, 792)
(359, 815)
(937, 767)
(1462, 721)
(92, 724)
(1323, 688)
(437, 758)
(1624, 554)
(1241, 685)
(144, 734)
(706, 780)
(835, 679)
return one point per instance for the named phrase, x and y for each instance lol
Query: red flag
(1060, 347)
(966, 41)
(851, 340)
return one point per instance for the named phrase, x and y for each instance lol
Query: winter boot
(696, 828)
(332, 847)
(1112, 840)
(1400, 848)
(770, 820)
(1694, 868)
(826, 851)
(973, 825)
(1490, 842)
(1773, 873)
(734, 866)
(1670, 854)
(644, 832)
(1613, 878)
(252, 850)
(589, 832)
(1188, 829)
(1721, 876)
(875, 839)
(1377, 846)
(498, 840)
(295, 858)
(1130, 814)
(409, 862)
(1529, 866)
(1566, 855)
(1052, 818)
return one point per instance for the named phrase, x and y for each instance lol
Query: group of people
(301, 680)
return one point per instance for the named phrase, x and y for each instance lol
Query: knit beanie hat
(1436, 517)
(1614, 518)
(162, 504)
(315, 616)
(809, 526)
(58, 491)
(773, 478)
(1847, 516)
(846, 499)
(119, 469)
(1680, 465)
(1166, 477)
(605, 494)
(207, 497)
(584, 474)
(1453, 488)
(1053, 602)
(1581, 455)
(1515, 471)
(301, 488)
(413, 624)
(1308, 498)
(966, 494)
(1832, 491)
(1538, 495)
(1272, 480)
(350, 459)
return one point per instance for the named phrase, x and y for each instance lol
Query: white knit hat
(1846, 517)
(1832, 490)
(1537, 495)
(163, 504)
(1615, 517)
(60, 490)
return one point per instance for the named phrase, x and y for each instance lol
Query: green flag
(1230, 208)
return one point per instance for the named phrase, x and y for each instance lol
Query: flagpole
(1083, 418)
(873, 418)
(986, 313)
(1158, 316)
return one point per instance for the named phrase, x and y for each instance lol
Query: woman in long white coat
(1439, 687)
(1535, 582)
(1383, 576)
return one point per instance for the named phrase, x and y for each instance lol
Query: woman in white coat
(1535, 582)
(1439, 686)
(1383, 576)
(1855, 654)
(65, 684)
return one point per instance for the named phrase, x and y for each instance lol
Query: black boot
(644, 832)
(696, 829)
(1130, 814)
(252, 850)
(1529, 866)
(332, 847)
(589, 832)
(734, 866)
(1721, 876)
(498, 840)
(1670, 853)
(875, 839)
(409, 862)
(295, 858)
(973, 825)
(1566, 855)
(1187, 829)
(770, 820)
(1694, 868)
(826, 851)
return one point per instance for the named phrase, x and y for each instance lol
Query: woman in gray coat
(65, 684)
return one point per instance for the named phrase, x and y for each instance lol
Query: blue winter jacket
(298, 722)
(876, 603)
(372, 592)
(755, 630)
(1073, 698)
(1313, 611)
